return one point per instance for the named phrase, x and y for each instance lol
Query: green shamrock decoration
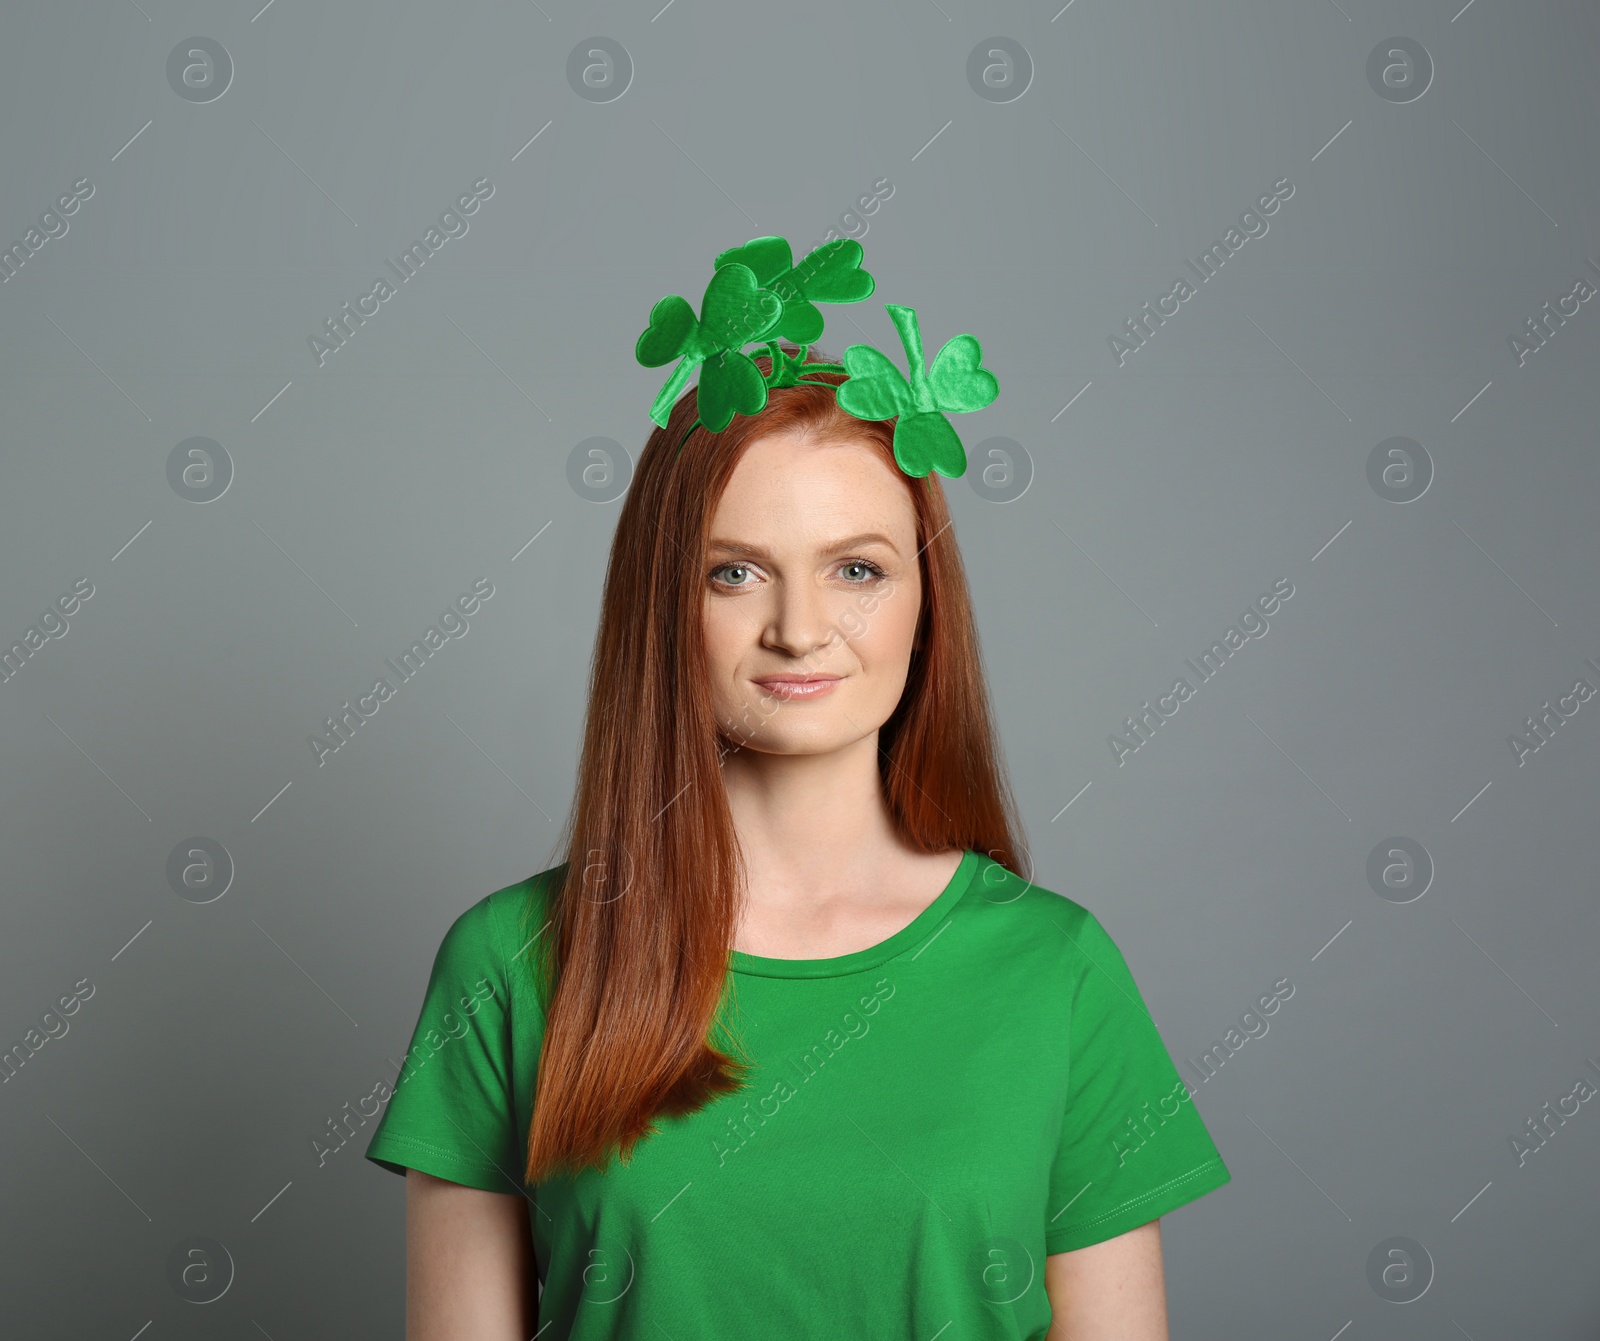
(734, 311)
(830, 274)
(758, 294)
(924, 439)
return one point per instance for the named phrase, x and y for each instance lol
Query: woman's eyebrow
(833, 547)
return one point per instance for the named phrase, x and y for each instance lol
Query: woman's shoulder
(1028, 912)
(519, 913)
(487, 948)
(493, 936)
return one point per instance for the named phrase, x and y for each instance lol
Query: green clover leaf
(672, 326)
(876, 389)
(730, 383)
(924, 439)
(765, 257)
(960, 381)
(830, 273)
(735, 310)
(924, 442)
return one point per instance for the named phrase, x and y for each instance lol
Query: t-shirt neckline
(860, 960)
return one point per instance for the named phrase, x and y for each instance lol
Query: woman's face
(812, 574)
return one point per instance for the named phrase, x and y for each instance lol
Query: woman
(812, 1056)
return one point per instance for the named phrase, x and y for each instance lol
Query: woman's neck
(826, 871)
(806, 820)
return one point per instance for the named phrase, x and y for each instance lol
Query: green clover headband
(758, 295)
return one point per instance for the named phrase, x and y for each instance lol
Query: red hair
(643, 913)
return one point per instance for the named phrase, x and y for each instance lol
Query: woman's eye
(857, 572)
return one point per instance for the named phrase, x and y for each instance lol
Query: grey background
(1228, 852)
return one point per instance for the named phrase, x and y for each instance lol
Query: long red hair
(641, 919)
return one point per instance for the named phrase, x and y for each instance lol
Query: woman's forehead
(792, 467)
(790, 491)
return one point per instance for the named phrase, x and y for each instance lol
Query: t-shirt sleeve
(452, 1110)
(1133, 1146)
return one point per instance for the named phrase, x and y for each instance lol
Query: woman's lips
(797, 689)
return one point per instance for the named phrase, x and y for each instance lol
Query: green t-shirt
(924, 1121)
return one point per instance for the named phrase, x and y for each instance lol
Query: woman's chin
(821, 738)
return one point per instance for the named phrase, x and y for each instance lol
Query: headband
(758, 295)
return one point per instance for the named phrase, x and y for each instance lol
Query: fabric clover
(924, 439)
(830, 274)
(734, 311)
(758, 293)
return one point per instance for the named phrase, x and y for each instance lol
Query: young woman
(789, 1045)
